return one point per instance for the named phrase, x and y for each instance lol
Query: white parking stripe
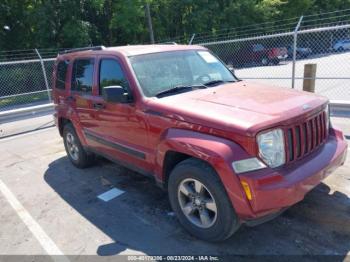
(110, 194)
(45, 241)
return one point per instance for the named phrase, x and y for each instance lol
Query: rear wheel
(75, 151)
(200, 202)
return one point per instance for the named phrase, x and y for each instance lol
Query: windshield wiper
(179, 88)
(215, 82)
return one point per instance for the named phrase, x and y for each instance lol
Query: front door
(119, 129)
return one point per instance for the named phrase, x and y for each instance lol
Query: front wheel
(200, 202)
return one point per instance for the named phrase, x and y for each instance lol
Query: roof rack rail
(167, 43)
(92, 48)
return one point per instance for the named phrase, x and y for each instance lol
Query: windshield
(158, 72)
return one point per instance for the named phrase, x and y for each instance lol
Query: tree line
(29, 24)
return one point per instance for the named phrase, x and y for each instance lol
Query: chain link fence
(25, 79)
(280, 58)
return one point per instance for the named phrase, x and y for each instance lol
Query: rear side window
(111, 74)
(82, 76)
(61, 74)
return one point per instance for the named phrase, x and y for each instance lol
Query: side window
(82, 76)
(61, 74)
(111, 74)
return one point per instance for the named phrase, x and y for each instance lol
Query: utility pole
(150, 27)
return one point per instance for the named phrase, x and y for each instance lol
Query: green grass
(22, 99)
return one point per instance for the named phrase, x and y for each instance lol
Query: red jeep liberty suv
(227, 151)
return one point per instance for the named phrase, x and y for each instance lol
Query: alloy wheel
(72, 146)
(197, 203)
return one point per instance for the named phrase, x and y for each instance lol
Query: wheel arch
(178, 145)
(62, 121)
(171, 159)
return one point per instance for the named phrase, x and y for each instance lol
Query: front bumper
(275, 189)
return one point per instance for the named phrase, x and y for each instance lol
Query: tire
(265, 61)
(218, 226)
(75, 151)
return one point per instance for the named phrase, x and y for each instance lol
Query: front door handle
(98, 106)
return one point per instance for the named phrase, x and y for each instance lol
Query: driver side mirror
(115, 94)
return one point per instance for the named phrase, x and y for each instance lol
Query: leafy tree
(74, 23)
(128, 24)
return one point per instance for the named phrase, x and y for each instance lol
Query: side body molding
(218, 152)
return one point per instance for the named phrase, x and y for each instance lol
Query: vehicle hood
(245, 106)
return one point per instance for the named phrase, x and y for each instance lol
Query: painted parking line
(45, 241)
(110, 194)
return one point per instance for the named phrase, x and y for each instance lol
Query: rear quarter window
(61, 74)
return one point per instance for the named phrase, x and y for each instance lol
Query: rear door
(81, 98)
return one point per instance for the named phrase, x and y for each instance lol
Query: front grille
(304, 138)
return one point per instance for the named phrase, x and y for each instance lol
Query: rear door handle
(98, 106)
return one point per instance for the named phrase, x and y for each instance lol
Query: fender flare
(73, 118)
(216, 151)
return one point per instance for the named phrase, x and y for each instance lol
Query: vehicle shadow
(141, 218)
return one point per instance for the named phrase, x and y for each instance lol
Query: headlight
(271, 147)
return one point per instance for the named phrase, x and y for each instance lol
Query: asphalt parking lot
(49, 206)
